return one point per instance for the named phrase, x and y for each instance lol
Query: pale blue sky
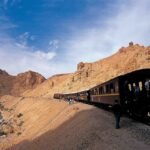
(52, 36)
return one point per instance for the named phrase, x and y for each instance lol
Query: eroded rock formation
(15, 85)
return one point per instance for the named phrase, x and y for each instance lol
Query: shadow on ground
(87, 129)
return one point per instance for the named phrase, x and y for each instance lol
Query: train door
(88, 96)
(125, 91)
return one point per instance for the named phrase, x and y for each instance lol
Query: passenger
(136, 91)
(147, 87)
(128, 96)
(126, 91)
(117, 113)
(70, 101)
(88, 96)
(126, 86)
(78, 97)
(136, 102)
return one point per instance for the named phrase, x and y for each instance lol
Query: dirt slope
(53, 125)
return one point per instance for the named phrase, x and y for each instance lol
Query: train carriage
(58, 96)
(84, 96)
(129, 89)
(134, 98)
(78, 96)
(123, 88)
(106, 92)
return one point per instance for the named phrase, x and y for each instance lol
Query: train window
(130, 87)
(101, 90)
(133, 84)
(137, 86)
(104, 89)
(116, 87)
(97, 91)
(107, 88)
(140, 85)
(94, 91)
(112, 88)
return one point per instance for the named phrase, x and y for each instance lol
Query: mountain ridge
(15, 85)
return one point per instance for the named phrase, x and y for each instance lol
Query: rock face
(127, 59)
(3, 72)
(6, 83)
(26, 81)
(15, 85)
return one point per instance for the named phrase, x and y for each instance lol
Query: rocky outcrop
(3, 72)
(15, 85)
(6, 83)
(26, 81)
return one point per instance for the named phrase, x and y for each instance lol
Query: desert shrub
(1, 106)
(2, 132)
(19, 115)
(1, 117)
(19, 133)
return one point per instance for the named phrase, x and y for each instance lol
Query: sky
(53, 36)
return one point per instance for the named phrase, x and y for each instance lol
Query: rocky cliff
(15, 85)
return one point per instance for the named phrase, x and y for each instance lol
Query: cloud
(43, 55)
(7, 3)
(54, 44)
(5, 24)
(23, 39)
(15, 59)
(17, 56)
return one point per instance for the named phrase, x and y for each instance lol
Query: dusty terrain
(52, 125)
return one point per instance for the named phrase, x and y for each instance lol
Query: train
(129, 89)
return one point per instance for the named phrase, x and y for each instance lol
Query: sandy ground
(56, 125)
